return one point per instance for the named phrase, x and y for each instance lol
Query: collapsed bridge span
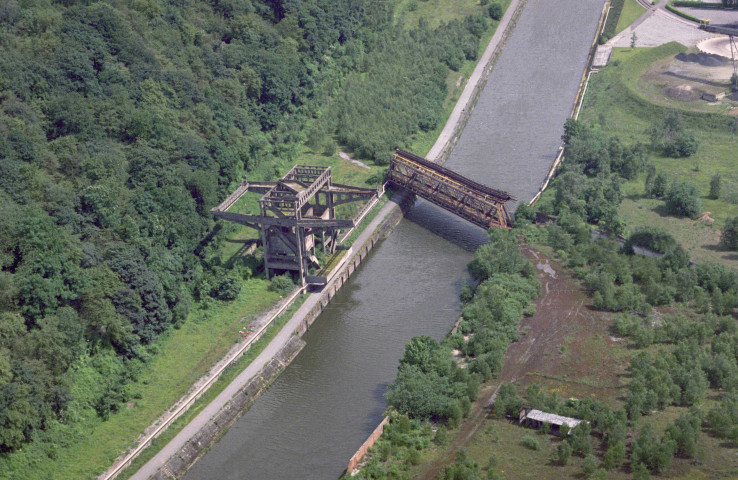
(472, 201)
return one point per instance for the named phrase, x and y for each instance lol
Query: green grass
(409, 12)
(225, 379)
(630, 13)
(626, 103)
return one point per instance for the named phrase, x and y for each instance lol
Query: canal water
(324, 405)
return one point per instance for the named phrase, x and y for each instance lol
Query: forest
(123, 122)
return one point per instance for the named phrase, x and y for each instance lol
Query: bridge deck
(477, 203)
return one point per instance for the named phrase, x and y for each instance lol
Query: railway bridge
(472, 201)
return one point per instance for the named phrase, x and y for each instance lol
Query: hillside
(122, 123)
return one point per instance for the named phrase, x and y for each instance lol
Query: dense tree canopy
(122, 124)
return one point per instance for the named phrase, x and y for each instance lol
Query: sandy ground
(716, 46)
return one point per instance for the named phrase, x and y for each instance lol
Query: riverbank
(392, 212)
(482, 404)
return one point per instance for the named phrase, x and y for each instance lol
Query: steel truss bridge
(472, 201)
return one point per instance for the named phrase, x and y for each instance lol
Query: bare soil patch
(685, 77)
(568, 348)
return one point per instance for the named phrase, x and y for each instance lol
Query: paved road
(658, 26)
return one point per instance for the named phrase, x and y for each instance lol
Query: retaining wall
(404, 201)
(368, 443)
(178, 464)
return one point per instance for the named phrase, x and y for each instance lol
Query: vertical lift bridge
(295, 212)
(299, 210)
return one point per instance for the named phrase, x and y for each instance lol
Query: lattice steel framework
(472, 201)
(293, 211)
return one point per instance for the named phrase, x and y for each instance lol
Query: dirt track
(567, 348)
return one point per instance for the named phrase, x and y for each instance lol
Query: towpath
(450, 130)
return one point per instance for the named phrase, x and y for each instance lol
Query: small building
(537, 419)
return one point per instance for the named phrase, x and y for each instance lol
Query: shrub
(508, 402)
(715, 186)
(561, 454)
(530, 443)
(524, 214)
(653, 238)
(683, 199)
(590, 465)
(670, 138)
(227, 289)
(441, 437)
(495, 11)
(282, 284)
(729, 236)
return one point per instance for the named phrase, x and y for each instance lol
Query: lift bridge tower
(294, 213)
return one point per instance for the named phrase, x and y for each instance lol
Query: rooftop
(550, 418)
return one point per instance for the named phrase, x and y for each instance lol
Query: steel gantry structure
(477, 203)
(296, 211)
(731, 31)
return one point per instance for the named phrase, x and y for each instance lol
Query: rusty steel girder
(472, 201)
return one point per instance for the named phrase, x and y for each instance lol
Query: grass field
(630, 13)
(626, 98)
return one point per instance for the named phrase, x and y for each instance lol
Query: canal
(323, 406)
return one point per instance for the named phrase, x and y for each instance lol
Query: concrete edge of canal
(355, 460)
(187, 454)
(193, 448)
